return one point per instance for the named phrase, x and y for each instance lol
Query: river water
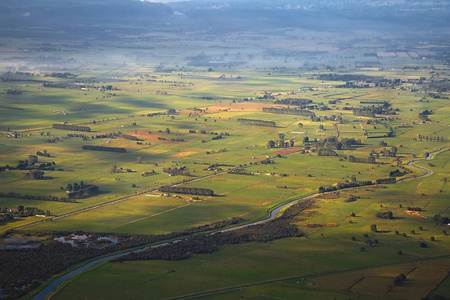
(47, 291)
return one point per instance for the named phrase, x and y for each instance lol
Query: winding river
(50, 288)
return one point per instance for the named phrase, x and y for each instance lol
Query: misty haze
(224, 149)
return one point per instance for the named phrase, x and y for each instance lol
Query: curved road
(50, 288)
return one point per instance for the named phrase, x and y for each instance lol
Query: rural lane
(50, 289)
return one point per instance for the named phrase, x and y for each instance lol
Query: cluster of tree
(206, 132)
(344, 185)
(218, 151)
(21, 212)
(34, 197)
(171, 111)
(131, 137)
(186, 190)
(429, 139)
(14, 92)
(216, 167)
(325, 151)
(389, 152)
(43, 153)
(25, 269)
(52, 141)
(217, 137)
(289, 111)
(399, 280)
(144, 174)
(442, 220)
(71, 127)
(177, 171)
(155, 114)
(370, 111)
(110, 135)
(61, 75)
(280, 143)
(339, 144)
(239, 171)
(6, 217)
(104, 148)
(327, 146)
(348, 77)
(62, 85)
(294, 101)
(365, 160)
(31, 163)
(34, 174)
(266, 161)
(84, 190)
(297, 208)
(212, 226)
(386, 180)
(385, 215)
(206, 244)
(352, 198)
(77, 135)
(424, 114)
(415, 208)
(257, 122)
(396, 173)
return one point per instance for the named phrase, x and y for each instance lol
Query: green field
(185, 117)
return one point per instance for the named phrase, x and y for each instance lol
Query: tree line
(205, 244)
(104, 148)
(81, 190)
(25, 269)
(386, 180)
(176, 171)
(9, 214)
(15, 195)
(257, 122)
(186, 190)
(294, 101)
(289, 111)
(344, 185)
(71, 127)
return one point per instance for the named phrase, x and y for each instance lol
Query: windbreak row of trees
(35, 197)
(104, 148)
(289, 111)
(344, 185)
(71, 127)
(386, 180)
(365, 160)
(257, 122)
(186, 190)
(294, 101)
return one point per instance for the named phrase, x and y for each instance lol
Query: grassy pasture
(329, 226)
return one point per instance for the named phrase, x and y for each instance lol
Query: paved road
(50, 288)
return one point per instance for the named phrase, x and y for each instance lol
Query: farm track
(58, 283)
(83, 210)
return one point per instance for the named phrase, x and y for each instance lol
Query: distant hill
(53, 13)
